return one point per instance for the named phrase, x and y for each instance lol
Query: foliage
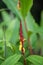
(11, 33)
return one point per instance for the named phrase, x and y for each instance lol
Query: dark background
(35, 10)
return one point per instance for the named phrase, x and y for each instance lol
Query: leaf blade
(12, 60)
(35, 59)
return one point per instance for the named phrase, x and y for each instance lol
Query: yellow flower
(20, 47)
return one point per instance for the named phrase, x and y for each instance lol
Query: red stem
(21, 39)
(21, 36)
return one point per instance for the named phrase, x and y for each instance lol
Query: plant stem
(21, 40)
(29, 45)
(21, 36)
(4, 29)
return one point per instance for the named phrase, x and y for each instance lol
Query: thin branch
(4, 38)
(29, 45)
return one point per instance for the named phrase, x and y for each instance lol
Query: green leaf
(12, 5)
(41, 26)
(1, 33)
(35, 59)
(9, 52)
(31, 24)
(40, 31)
(33, 40)
(12, 32)
(42, 19)
(12, 60)
(6, 18)
(25, 6)
(24, 30)
(1, 61)
(18, 63)
(15, 35)
(29, 33)
(1, 58)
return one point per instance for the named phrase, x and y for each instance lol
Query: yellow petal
(20, 47)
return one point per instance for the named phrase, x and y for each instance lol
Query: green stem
(4, 29)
